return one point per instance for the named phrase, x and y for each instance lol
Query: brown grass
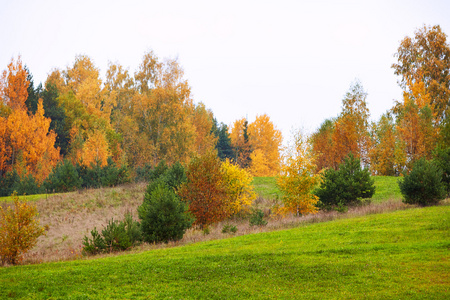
(71, 216)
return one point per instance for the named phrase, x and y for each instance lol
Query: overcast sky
(293, 60)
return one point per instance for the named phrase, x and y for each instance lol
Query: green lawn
(398, 255)
(386, 188)
(266, 187)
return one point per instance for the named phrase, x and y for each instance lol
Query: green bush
(23, 185)
(116, 236)
(229, 228)
(97, 176)
(63, 178)
(164, 217)
(423, 185)
(348, 185)
(257, 218)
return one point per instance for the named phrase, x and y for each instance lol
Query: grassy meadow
(402, 255)
(71, 216)
(379, 251)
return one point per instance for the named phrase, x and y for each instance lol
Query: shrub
(23, 185)
(164, 217)
(19, 230)
(257, 218)
(423, 185)
(112, 175)
(8, 182)
(116, 236)
(97, 176)
(63, 178)
(348, 185)
(229, 228)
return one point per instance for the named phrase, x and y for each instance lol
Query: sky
(291, 60)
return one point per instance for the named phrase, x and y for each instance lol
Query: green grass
(266, 187)
(27, 197)
(386, 188)
(399, 255)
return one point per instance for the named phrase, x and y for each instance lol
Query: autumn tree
(264, 136)
(385, 148)
(297, 178)
(205, 190)
(87, 107)
(28, 144)
(238, 182)
(425, 59)
(322, 145)
(351, 133)
(14, 85)
(240, 142)
(162, 109)
(203, 121)
(416, 133)
(259, 164)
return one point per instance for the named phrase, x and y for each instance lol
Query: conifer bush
(116, 236)
(164, 217)
(347, 185)
(423, 185)
(63, 178)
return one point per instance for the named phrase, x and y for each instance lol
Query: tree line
(137, 120)
(132, 121)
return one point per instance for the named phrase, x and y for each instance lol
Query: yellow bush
(19, 230)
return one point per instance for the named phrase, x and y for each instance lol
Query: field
(401, 255)
(383, 250)
(71, 216)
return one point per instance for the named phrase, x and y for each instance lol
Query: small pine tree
(163, 216)
(63, 178)
(423, 185)
(348, 185)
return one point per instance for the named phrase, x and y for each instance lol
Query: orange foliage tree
(240, 142)
(27, 143)
(322, 145)
(203, 120)
(425, 59)
(205, 190)
(349, 133)
(13, 85)
(266, 138)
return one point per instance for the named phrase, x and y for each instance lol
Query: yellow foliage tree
(259, 165)
(297, 179)
(239, 188)
(95, 150)
(202, 119)
(264, 136)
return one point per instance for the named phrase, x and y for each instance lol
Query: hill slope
(403, 254)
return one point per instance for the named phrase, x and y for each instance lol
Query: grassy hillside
(386, 188)
(402, 255)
